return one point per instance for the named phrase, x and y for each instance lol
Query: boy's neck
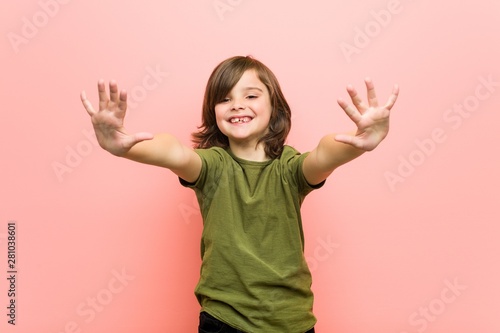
(249, 153)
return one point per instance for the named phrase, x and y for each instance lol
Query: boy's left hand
(372, 120)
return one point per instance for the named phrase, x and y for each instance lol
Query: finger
(113, 91)
(138, 137)
(356, 100)
(86, 103)
(394, 96)
(351, 112)
(103, 97)
(131, 140)
(142, 136)
(122, 103)
(370, 90)
(350, 140)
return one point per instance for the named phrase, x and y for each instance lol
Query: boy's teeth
(240, 120)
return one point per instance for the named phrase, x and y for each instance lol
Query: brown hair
(223, 79)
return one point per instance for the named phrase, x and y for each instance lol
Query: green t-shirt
(254, 276)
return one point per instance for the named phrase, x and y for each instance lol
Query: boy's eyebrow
(252, 88)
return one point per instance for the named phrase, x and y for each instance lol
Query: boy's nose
(237, 106)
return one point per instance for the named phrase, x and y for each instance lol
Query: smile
(240, 120)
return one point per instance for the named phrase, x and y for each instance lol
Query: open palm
(108, 120)
(372, 120)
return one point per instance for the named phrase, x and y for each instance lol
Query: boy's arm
(162, 150)
(167, 151)
(334, 150)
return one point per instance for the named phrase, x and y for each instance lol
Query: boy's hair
(223, 79)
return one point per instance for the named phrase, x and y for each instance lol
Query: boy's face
(243, 116)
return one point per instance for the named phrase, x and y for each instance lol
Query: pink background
(386, 238)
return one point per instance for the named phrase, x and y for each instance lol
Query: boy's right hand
(108, 121)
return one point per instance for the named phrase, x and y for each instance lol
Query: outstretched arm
(162, 150)
(333, 150)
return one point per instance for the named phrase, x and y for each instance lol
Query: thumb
(142, 136)
(350, 140)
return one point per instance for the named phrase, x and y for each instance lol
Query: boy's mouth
(239, 120)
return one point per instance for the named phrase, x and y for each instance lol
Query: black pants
(209, 324)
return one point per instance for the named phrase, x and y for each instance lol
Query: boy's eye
(228, 99)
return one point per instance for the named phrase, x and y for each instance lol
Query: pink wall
(404, 239)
